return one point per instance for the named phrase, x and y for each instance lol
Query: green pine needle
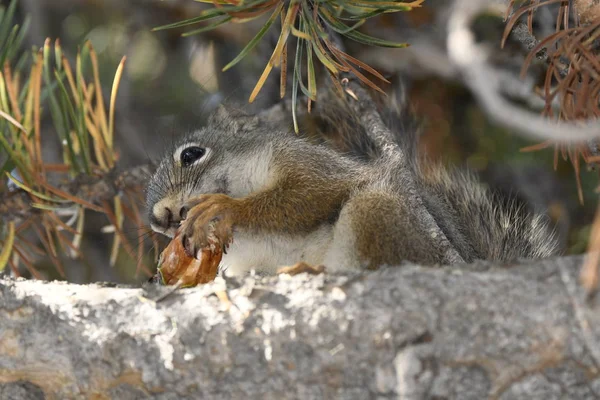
(312, 23)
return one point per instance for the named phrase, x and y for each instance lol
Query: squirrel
(276, 198)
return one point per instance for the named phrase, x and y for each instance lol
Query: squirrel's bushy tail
(489, 227)
(481, 223)
(477, 221)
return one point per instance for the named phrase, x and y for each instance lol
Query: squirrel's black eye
(191, 154)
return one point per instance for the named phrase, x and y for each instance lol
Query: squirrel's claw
(208, 215)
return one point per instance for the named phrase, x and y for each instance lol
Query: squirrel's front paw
(209, 214)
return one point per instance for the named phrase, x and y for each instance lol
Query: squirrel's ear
(220, 116)
(248, 122)
(227, 117)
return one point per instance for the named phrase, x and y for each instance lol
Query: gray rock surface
(471, 332)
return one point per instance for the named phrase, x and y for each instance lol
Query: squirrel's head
(230, 155)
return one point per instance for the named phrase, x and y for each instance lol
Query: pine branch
(486, 83)
(471, 332)
(16, 206)
(85, 130)
(311, 23)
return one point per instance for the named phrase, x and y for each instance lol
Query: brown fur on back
(474, 219)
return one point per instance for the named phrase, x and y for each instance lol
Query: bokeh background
(171, 83)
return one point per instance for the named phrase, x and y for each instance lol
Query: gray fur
(341, 202)
(476, 221)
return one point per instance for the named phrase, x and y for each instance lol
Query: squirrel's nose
(166, 216)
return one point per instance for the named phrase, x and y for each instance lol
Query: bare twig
(484, 82)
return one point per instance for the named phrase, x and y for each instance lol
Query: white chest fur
(250, 173)
(267, 253)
